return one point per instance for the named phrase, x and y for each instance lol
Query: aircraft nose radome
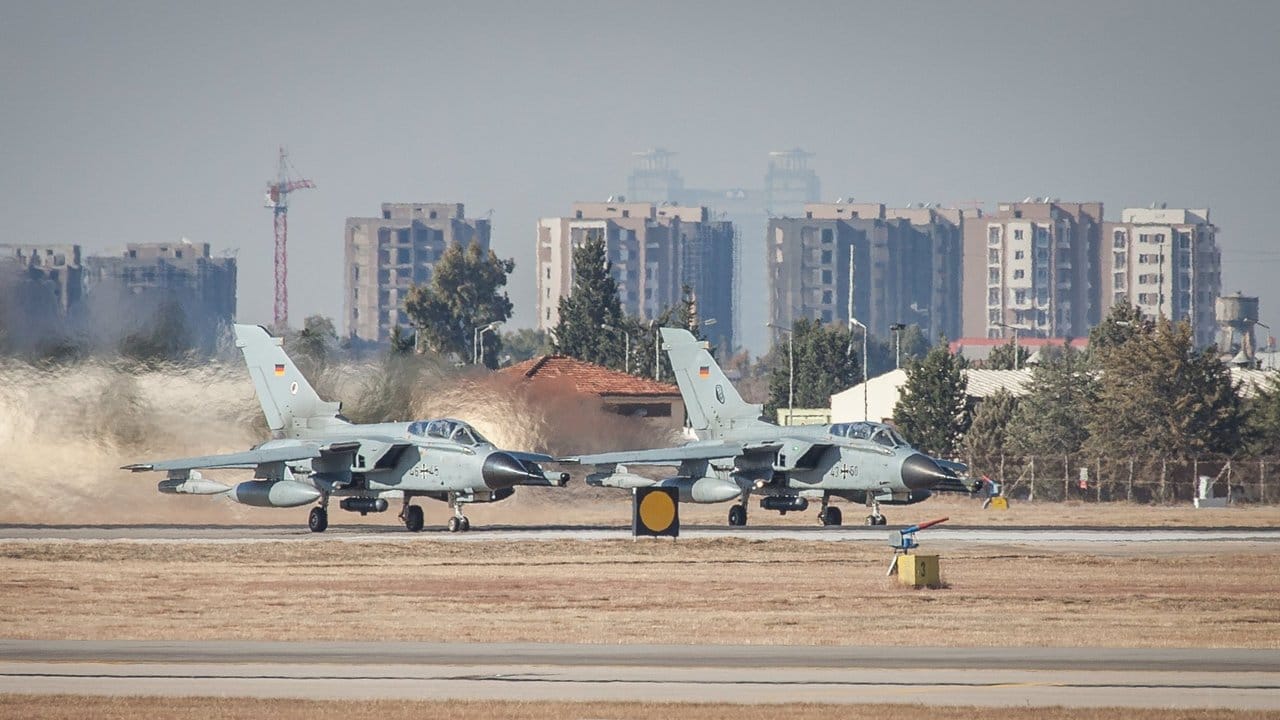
(502, 470)
(920, 472)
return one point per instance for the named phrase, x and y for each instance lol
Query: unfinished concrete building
(655, 249)
(152, 278)
(46, 279)
(388, 255)
(905, 265)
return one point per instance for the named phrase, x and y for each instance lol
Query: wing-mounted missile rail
(904, 541)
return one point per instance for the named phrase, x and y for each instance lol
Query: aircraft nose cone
(920, 472)
(502, 470)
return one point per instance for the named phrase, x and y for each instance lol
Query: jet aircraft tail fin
(712, 403)
(288, 400)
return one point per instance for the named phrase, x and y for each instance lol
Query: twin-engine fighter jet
(314, 454)
(738, 454)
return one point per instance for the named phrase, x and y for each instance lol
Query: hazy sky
(149, 122)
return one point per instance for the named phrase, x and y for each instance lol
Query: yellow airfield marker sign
(655, 512)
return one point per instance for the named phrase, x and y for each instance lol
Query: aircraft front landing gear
(318, 520)
(875, 518)
(459, 522)
(738, 515)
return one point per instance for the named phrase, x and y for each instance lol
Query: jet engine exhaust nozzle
(502, 470)
(920, 472)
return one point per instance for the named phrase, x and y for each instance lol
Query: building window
(1017, 234)
(826, 316)
(993, 276)
(993, 296)
(826, 257)
(993, 235)
(1019, 274)
(993, 257)
(626, 213)
(1184, 240)
(993, 316)
(1019, 297)
(1118, 280)
(1118, 239)
(828, 236)
(1148, 259)
(433, 215)
(1019, 254)
(1121, 259)
(826, 297)
(826, 277)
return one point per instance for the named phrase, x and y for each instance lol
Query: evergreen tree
(524, 344)
(1124, 322)
(931, 413)
(1159, 397)
(823, 364)
(1052, 419)
(402, 343)
(645, 336)
(591, 307)
(1009, 356)
(1262, 424)
(465, 292)
(987, 438)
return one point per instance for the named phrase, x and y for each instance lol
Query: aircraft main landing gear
(830, 516)
(412, 517)
(738, 515)
(318, 520)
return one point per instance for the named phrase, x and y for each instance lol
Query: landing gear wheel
(738, 515)
(830, 516)
(466, 524)
(318, 520)
(413, 518)
(876, 520)
(455, 524)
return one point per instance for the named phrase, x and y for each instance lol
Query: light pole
(1017, 353)
(865, 412)
(897, 329)
(791, 369)
(626, 336)
(477, 340)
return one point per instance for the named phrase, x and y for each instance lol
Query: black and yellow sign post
(655, 511)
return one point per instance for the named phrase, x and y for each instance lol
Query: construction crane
(278, 200)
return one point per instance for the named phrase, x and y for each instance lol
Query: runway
(1076, 677)
(1083, 536)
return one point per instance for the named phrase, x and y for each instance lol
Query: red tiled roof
(589, 378)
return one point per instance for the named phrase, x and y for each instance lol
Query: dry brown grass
(716, 591)
(75, 707)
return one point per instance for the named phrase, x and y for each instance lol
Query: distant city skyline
(151, 122)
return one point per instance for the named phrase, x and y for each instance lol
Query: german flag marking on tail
(279, 370)
(704, 371)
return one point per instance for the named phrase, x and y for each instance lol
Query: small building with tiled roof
(977, 349)
(620, 392)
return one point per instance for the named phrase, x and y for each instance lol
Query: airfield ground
(71, 707)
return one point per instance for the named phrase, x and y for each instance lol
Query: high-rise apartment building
(904, 264)
(387, 255)
(789, 183)
(1033, 266)
(1165, 261)
(655, 250)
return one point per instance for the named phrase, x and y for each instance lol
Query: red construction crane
(278, 200)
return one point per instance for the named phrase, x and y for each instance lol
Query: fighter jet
(314, 454)
(737, 454)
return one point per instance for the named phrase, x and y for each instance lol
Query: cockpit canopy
(878, 433)
(448, 429)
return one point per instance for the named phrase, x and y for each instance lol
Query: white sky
(149, 122)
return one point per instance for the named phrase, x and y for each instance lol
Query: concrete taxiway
(513, 533)
(1077, 677)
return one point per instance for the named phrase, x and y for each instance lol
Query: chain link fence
(1131, 479)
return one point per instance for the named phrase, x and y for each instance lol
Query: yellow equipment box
(999, 503)
(919, 570)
